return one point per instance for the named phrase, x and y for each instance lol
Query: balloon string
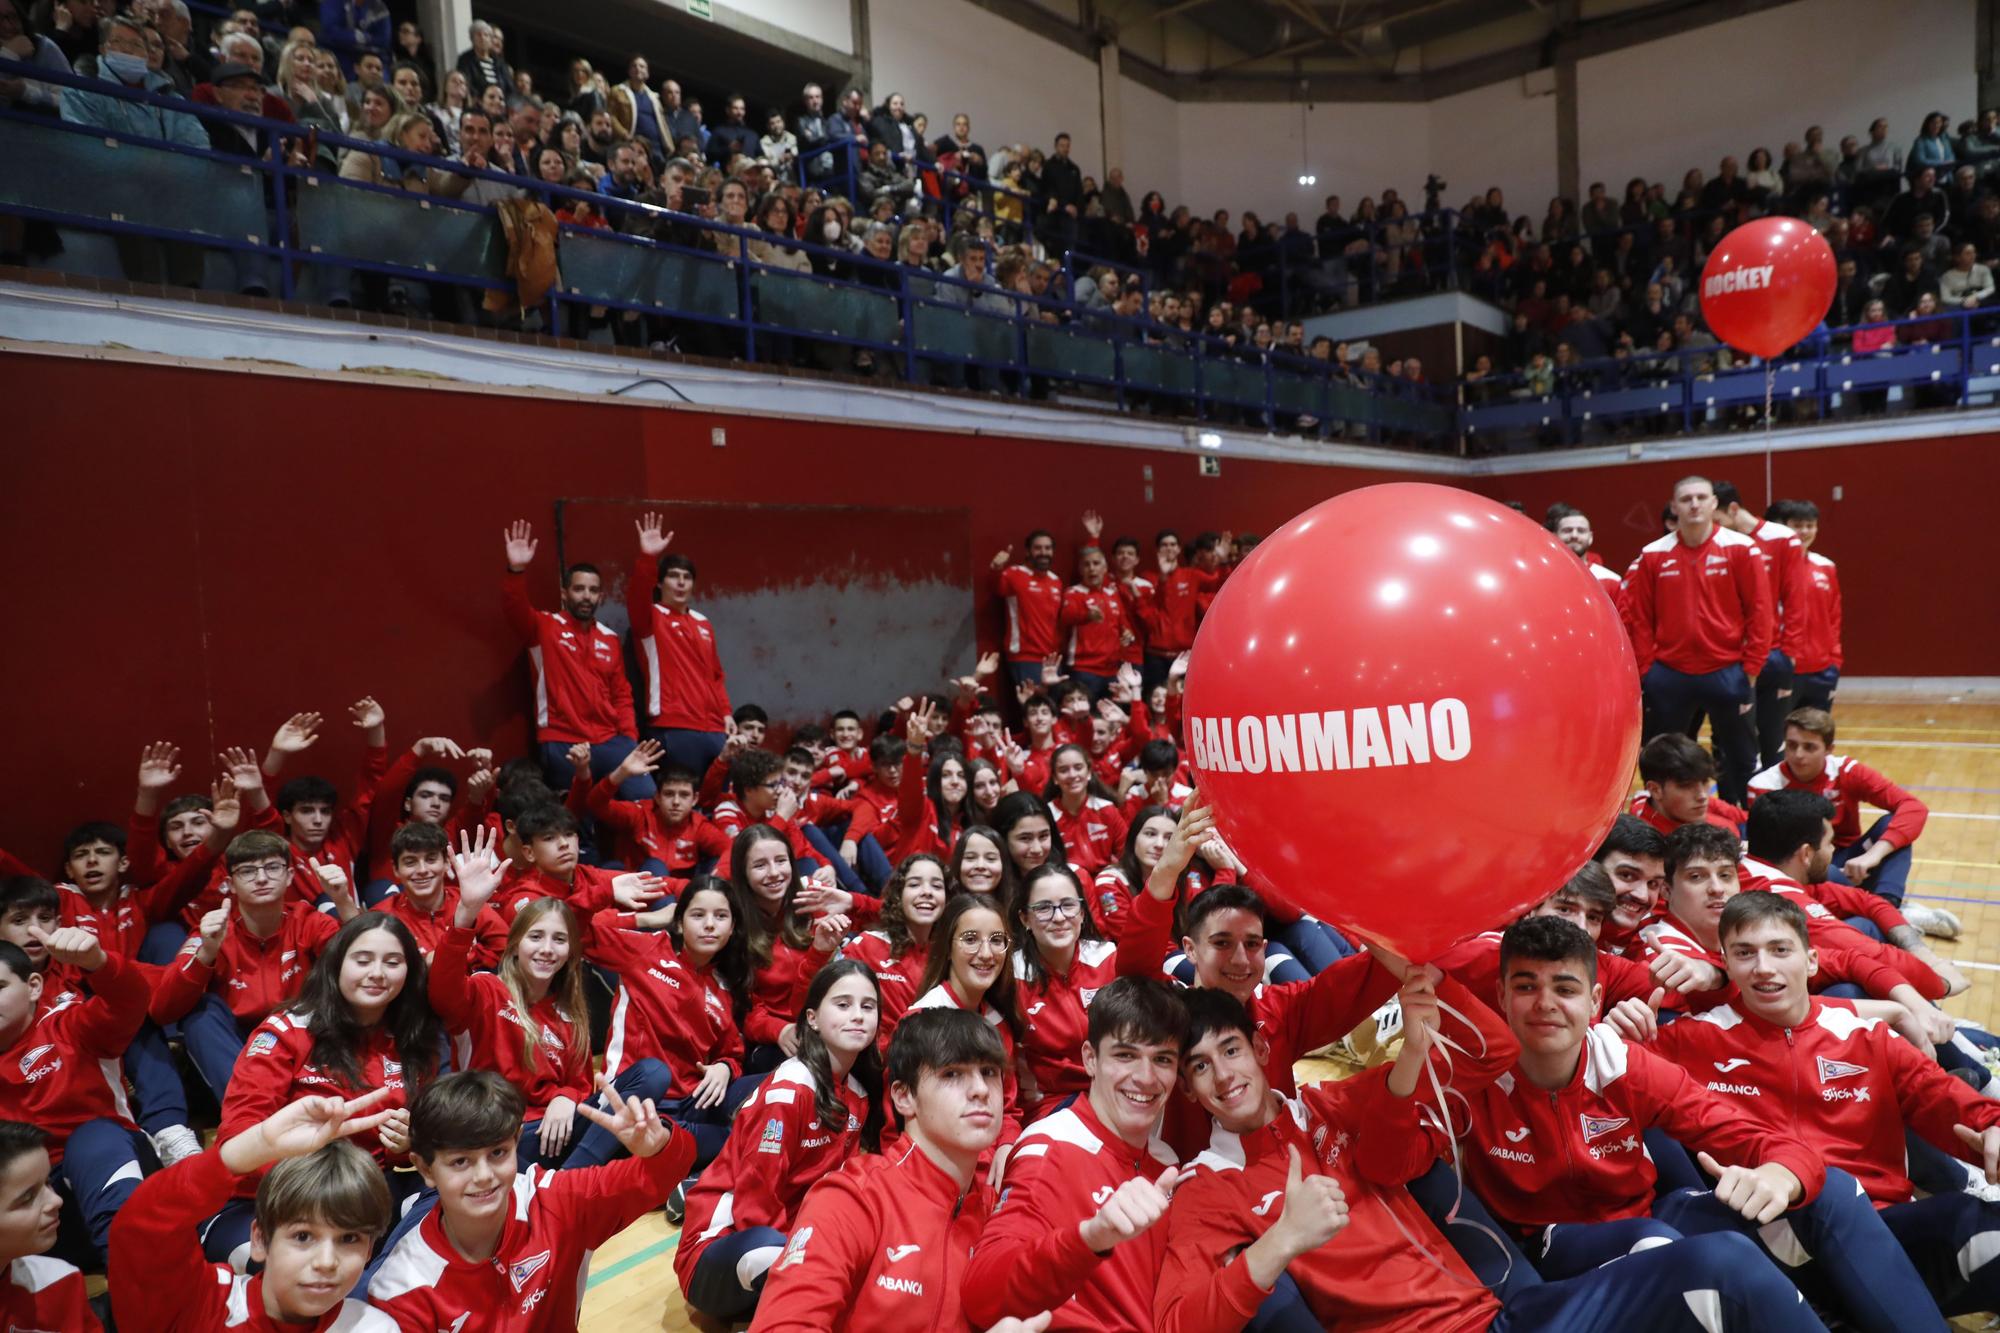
(1770, 380)
(1444, 1046)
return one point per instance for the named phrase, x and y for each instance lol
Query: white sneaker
(1932, 920)
(176, 1143)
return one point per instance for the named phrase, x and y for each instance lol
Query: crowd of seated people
(889, 1015)
(840, 185)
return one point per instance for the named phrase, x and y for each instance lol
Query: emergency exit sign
(701, 9)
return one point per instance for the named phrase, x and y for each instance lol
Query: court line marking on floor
(631, 1261)
(1862, 733)
(1962, 814)
(1983, 967)
(1921, 745)
(1972, 865)
(1969, 791)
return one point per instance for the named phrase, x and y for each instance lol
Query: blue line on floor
(631, 1261)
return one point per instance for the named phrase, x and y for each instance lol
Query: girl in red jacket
(970, 968)
(778, 935)
(1028, 833)
(527, 1022)
(985, 784)
(979, 863)
(810, 1116)
(896, 951)
(1151, 830)
(1086, 813)
(363, 1021)
(1060, 964)
(931, 806)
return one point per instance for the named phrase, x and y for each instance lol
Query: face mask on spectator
(125, 68)
(830, 229)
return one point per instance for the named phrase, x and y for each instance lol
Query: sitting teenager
(1284, 1176)
(817, 1110)
(1149, 831)
(362, 1021)
(1077, 1230)
(528, 1021)
(505, 1247)
(1678, 773)
(1585, 900)
(1556, 1151)
(1824, 1069)
(1086, 813)
(1634, 855)
(970, 969)
(1060, 967)
(1877, 859)
(321, 1205)
(884, 1242)
(39, 1291)
(427, 901)
(665, 835)
(898, 948)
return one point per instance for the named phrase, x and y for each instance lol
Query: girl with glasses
(970, 969)
(1060, 964)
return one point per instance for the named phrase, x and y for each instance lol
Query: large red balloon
(1414, 712)
(1767, 285)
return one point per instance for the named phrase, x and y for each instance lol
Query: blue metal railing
(306, 229)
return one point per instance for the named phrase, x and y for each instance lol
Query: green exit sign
(701, 9)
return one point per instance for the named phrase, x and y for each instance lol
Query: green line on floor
(631, 1261)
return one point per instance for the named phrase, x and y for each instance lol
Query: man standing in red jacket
(1786, 572)
(1183, 593)
(1093, 612)
(1816, 667)
(581, 693)
(1698, 606)
(1033, 595)
(687, 696)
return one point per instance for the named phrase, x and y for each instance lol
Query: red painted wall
(194, 554)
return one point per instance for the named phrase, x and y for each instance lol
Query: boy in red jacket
(1094, 614)
(1076, 1230)
(426, 901)
(1848, 1085)
(666, 835)
(319, 1211)
(1634, 854)
(1312, 1189)
(687, 694)
(510, 1247)
(38, 1291)
(1677, 773)
(1877, 860)
(1585, 901)
(883, 1242)
(1555, 1149)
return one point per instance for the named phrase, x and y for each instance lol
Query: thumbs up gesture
(1315, 1208)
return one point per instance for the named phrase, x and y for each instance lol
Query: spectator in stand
(818, 131)
(17, 43)
(1933, 147)
(1761, 181)
(1062, 195)
(482, 64)
(368, 72)
(890, 124)
(1967, 284)
(637, 111)
(733, 135)
(121, 61)
(779, 146)
(1879, 170)
(882, 179)
(1601, 215)
(1912, 281)
(333, 88)
(1850, 294)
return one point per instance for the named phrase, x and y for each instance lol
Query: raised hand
(476, 867)
(478, 785)
(366, 713)
(1194, 829)
(437, 747)
(643, 758)
(1132, 1208)
(241, 766)
(480, 756)
(636, 1123)
(636, 890)
(520, 538)
(297, 734)
(1177, 673)
(1002, 556)
(1635, 1019)
(652, 541)
(988, 665)
(1128, 680)
(213, 926)
(1678, 972)
(159, 766)
(1052, 669)
(1025, 690)
(1315, 1209)
(1093, 523)
(334, 880)
(72, 945)
(829, 931)
(225, 808)
(303, 1127)
(918, 728)
(579, 756)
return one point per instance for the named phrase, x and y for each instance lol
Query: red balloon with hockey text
(1767, 285)
(1415, 713)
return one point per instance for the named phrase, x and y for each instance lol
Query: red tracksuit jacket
(898, 977)
(1700, 608)
(1538, 1157)
(1179, 601)
(1785, 573)
(1033, 602)
(680, 847)
(777, 1149)
(277, 1069)
(122, 924)
(534, 1281)
(1825, 929)
(1371, 1279)
(1094, 646)
(1476, 964)
(1847, 1086)
(160, 1283)
(63, 1068)
(771, 989)
(253, 976)
(489, 933)
(1293, 1018)
(1669, 934)
(881, 1244)
(486, 1030)
(45, 1293)
(1094, 836)
(943, 996)
(1720, 813)
(1114, 892)
(1848, 783)
(1055, 1019)
(1137, 594)
(667, 1008)
(685, 684)
(1819, 629)
(581, 693)
(385, 816)
(1031, 1257)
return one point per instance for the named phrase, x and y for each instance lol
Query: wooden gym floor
(1946, 750)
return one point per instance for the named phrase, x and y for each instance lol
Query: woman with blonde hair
(332, 85)
(408, 130)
